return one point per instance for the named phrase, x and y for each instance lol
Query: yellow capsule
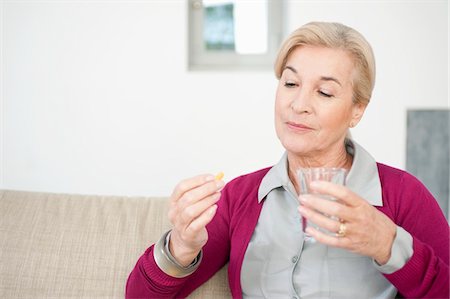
(219, 176)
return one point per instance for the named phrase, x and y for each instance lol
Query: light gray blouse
(281, 262)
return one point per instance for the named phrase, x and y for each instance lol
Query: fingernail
(302, 198)
(302, 210)
(220, 184)
(213, 209)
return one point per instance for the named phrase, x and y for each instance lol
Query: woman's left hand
(368, 231)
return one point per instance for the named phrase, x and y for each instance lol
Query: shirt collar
(276, 177)
(363, 178)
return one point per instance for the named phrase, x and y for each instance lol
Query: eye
(325, 94)
(290, 84)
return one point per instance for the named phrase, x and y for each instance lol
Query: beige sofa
(76, 246)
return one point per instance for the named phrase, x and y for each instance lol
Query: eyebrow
(331, 79)
(290, 68)
(323, 78)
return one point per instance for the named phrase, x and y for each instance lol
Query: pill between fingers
(219, 176)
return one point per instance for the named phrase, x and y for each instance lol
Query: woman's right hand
(192, 207)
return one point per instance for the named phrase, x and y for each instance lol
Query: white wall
(96, 96)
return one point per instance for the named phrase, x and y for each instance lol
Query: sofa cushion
(59, 245)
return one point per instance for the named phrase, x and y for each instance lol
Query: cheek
(278, 107)
(282, 101)
(278, 115)
(336, 121)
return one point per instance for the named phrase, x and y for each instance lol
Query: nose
(301, 101)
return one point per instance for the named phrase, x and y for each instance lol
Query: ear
(357, 112)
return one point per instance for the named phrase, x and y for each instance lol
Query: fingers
(374, 240)
(331, 224)
(326, 206)
(194, 198)
(189, 213)
(192, 207)
(189, 184)
(186, 243)
(340, 192)
(198, 194)
(190, 191)
(367, 231)
(191, 203)
(330, 240)
(202, 220)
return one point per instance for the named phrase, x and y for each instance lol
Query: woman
(391, 238)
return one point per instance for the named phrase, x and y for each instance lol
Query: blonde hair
(335, 36)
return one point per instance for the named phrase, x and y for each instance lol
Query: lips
(298, 127)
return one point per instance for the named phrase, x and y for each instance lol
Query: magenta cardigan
(405, 200)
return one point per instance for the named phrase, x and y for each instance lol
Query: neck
(338, 158)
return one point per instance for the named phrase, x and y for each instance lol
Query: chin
(297, 147)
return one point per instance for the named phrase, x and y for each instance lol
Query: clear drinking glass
(308, 175)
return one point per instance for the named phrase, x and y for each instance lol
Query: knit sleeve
(147, 280)
(426, 274)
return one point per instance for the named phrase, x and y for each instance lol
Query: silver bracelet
(168, 264)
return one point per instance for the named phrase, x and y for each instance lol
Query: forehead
(315, 61)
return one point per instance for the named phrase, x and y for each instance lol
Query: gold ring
(342, 230)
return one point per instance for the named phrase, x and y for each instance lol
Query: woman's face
(314, 107)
